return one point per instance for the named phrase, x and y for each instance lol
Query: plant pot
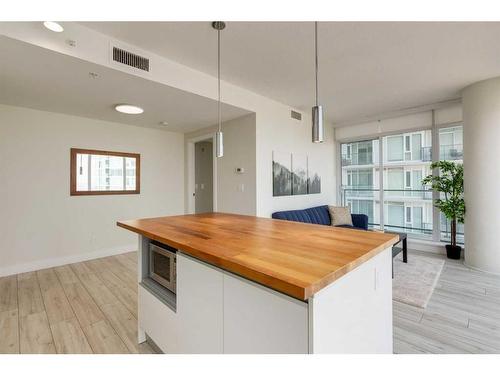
(453, 252)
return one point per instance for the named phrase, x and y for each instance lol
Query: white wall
(278, 132)
(41, 225)
(239, 151)
(482, 174)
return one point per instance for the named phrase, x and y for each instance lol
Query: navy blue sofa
(320, 215)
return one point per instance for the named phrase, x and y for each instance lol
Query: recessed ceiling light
(129, 109)
(53, 26)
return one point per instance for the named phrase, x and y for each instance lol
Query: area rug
(415, 281)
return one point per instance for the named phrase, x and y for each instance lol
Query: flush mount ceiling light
(53, 26)
(318, 131)
(219, 138)
(163, 123)
(129, 109)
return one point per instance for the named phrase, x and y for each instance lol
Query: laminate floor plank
(126, 275)
(69, 337)
(9, 332)
(125, 261)
(66, 275)
(96, 288)
(29, 295)
(8, 293)
(124, 323)
(81, 269)
(86, 310)
(103, 339)
(125, 295)
(35, 334)
(132, 256)
(55, 301)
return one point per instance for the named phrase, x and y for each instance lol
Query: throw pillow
(340, 215)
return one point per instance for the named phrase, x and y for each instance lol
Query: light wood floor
(463, 315)
(87, 307)
(91, 307)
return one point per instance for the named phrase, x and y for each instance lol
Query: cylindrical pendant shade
(219, 144)
(318, 132)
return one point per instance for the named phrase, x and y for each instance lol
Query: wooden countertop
(294, 258)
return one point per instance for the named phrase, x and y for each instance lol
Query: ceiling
(38, 78)
(366, 68)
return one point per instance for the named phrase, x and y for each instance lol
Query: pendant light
(219, 137)
(318, 132)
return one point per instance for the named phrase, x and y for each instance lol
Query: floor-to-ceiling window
(451, 148)
(405, 159)
(360, 191)
(407, 203)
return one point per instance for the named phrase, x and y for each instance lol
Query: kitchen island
(255, 285)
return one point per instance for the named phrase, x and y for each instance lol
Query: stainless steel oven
(163, 266)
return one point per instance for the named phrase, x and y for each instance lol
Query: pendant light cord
(316, 56)
(218, 77)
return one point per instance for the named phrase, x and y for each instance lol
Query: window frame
(408, 181)
(73, 173)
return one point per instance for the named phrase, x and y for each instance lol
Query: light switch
(202, 186)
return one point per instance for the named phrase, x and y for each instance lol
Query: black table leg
(405, 252)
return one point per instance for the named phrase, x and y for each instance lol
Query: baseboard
(59, 261)
(426, 246)
(429, 246)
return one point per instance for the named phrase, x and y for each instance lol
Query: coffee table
(396, 250)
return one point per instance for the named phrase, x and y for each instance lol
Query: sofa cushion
(340, 215)
(319, 215)
(360, 221)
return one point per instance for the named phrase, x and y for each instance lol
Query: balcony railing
(357, 158)
(369, 194)
(389, 195)
(426, 154)
(451, 152)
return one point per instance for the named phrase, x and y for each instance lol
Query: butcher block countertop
(294, 258)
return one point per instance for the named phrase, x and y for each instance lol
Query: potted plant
(450, 182)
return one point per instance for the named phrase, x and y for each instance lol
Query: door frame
(191, 168)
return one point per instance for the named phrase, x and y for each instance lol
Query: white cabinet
(158, 321)
(259, 320)
(199, 306)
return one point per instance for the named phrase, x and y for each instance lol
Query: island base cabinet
(354, 314)
(218, 312)
(260, 320)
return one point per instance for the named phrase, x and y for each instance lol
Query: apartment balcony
(451, 152)
(426, 154)
(362, 158)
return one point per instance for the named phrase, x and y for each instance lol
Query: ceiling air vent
(130, 59)
(296, 115)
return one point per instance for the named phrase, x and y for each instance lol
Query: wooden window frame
(75, 151)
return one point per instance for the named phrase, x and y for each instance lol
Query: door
(203, 177)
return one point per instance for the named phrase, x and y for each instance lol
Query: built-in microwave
(163, 266)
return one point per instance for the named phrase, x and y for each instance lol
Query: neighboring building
(106, 172)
